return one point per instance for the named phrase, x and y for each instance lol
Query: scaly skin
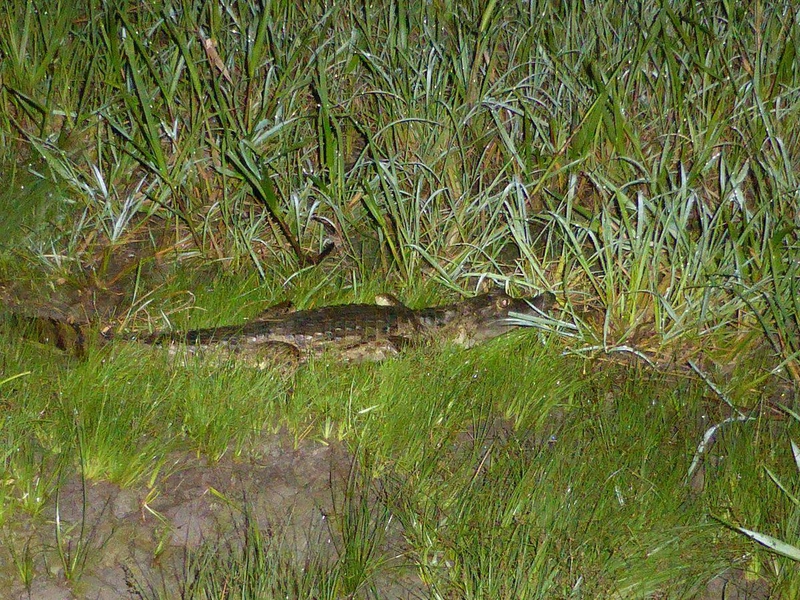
(361, 331)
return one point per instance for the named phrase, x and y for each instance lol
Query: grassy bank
(553, 482)
(190, 164)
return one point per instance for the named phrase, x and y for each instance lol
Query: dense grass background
(640, 159)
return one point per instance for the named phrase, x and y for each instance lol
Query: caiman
(357, 332)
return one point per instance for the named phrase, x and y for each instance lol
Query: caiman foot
(273, 355)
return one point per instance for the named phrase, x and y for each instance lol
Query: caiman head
(484, 317)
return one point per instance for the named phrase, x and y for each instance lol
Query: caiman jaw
(481, 320)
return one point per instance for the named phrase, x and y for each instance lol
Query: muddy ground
(146, 542)
(136, 543)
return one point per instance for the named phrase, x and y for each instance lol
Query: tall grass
(640, 160)
(644, 161)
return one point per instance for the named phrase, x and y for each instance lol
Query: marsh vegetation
(189, 164)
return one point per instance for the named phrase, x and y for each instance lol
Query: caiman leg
(262, 356)
(273, 355)
(388, 300)
(374, 351)
(279, 354)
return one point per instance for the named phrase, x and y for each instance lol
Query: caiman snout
(486, 317)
